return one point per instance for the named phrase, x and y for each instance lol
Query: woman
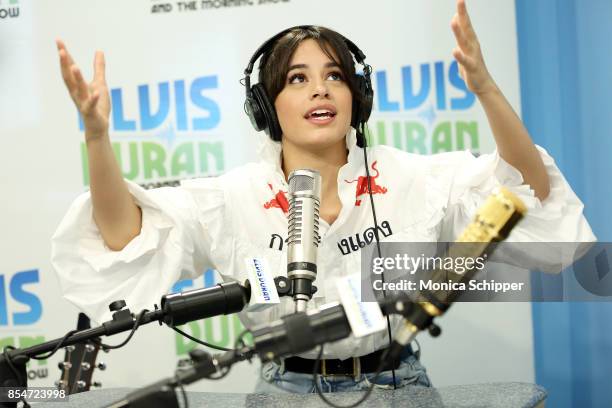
(122, 242)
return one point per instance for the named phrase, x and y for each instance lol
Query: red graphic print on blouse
(362, 185)
(279, 200)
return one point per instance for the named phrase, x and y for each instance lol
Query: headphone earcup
(269, 120)
(367, 94)
(253, 111)
(356, 113)
(362, 108)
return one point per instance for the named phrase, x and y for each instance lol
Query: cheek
(284, 109)
(347, 104)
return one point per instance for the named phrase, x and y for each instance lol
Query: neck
(327, 162)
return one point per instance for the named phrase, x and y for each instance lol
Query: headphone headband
(357, 53)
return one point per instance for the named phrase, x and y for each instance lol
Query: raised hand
(472, 67)
(92, 100)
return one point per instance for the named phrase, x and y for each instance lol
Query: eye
(296, 78)
(337, 75)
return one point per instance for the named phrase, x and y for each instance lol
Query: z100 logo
(165, 127)
(12, 11)
(410, 110)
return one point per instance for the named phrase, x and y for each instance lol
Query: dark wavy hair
(274, 64)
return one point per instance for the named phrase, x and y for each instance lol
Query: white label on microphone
(263, 289)
(365, 317)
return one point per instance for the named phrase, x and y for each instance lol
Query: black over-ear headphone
(260, 109)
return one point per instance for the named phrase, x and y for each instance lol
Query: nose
(320, 90)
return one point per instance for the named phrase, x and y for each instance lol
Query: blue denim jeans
(275, 379)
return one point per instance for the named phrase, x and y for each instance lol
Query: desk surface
(475, 395)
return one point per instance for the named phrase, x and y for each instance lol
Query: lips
(321, 112)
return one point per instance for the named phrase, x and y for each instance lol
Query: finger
(462, 10)
(90, 103)
(82, 91)
(463, 59)
(61, 46)
(99, 68)
(459, 34)
(66, 62)
(65, 69)
(464, 18)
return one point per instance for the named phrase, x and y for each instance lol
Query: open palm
(468, 54)
(91, 99)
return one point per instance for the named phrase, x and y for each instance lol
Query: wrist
(95, 138)
(487, 90)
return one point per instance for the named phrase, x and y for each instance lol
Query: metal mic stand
(290, 335)
(162, 393)
(175, 310)
(13, 362)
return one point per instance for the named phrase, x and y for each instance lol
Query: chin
(323, 138)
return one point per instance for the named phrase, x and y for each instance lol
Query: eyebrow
(298, 66)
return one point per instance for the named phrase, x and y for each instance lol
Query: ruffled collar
(270, 151)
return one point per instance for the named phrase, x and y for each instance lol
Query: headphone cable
(361, 133)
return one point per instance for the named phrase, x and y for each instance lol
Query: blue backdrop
(565, 61)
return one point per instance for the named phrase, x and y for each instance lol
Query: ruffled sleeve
(179, 225)
(559, 218)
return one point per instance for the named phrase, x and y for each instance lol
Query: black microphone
(301, 331)
(258, 292)
(221, 299)
(303, 237)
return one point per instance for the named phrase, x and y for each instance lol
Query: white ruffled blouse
(219, 222)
